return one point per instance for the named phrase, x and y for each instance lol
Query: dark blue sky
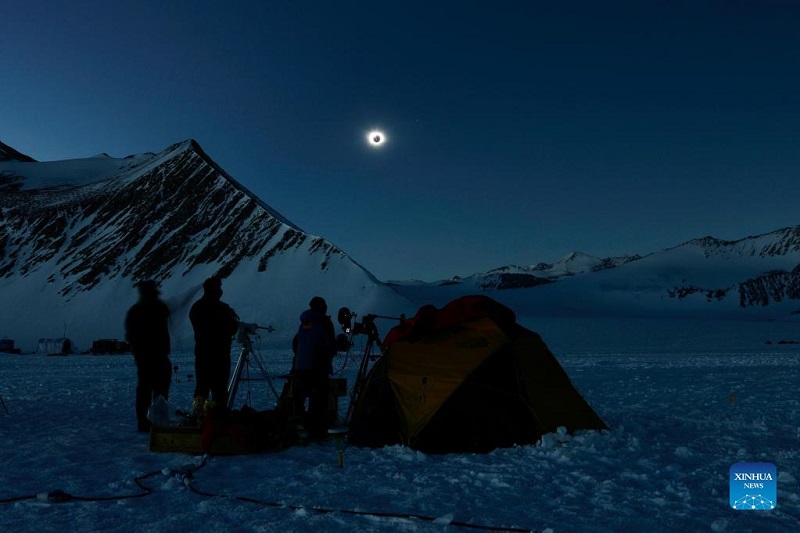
(517, 131)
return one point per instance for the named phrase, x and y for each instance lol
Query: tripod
(246, 356)
(368, 327)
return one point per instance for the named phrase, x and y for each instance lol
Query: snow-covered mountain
(521, 277)
(755, 277)
(78, 234)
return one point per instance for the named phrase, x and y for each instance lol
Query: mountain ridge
(755, 277)
(175, 217)
(8, 153)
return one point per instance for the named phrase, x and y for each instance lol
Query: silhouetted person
(147, 332)
(215, 324)
(314, 347)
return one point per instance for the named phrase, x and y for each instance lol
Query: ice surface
(663, 466)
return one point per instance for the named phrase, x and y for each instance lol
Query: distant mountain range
(755, 277)
(517, 277)
(78, 234)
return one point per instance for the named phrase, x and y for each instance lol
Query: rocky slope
(75, 241)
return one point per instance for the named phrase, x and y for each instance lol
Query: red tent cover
(429, 319)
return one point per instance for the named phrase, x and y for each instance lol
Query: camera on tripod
(243, 336)
(365, 327)
(350, 329)
(249, 329)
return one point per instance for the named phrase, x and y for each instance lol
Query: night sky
(516, 132)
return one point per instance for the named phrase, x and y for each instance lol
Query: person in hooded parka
(314, 346)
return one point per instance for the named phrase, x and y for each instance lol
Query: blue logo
(754, 486)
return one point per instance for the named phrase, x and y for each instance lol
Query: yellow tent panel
(466, 378)
(424, 374)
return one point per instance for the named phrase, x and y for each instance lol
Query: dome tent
(466, 378)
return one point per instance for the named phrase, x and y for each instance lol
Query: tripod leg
(3, 403)
(360, 377)
(236, 377)
(264, 373)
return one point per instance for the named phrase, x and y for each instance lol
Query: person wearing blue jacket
(314, 346)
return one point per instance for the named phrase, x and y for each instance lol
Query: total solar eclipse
(376, 138)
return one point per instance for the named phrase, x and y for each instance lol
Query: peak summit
(9, 154)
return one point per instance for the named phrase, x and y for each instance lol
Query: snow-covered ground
(684, 401)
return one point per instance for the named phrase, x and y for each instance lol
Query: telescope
(367, 324)
(247, 329)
